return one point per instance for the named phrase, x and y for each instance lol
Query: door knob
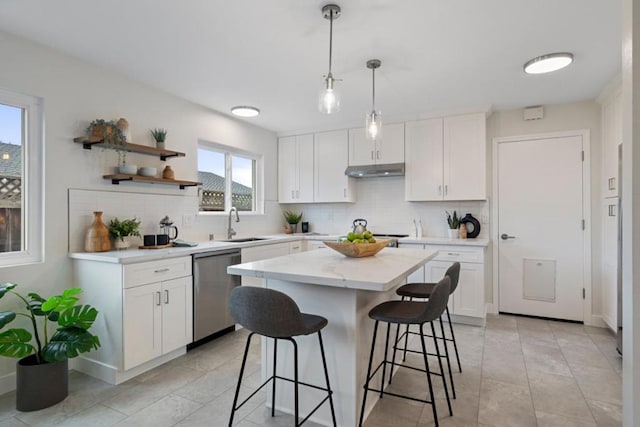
(505, 236)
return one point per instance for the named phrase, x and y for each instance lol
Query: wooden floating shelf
(117, 178)
(89, 142)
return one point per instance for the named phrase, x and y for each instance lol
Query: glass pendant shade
(373, 127)
(329, 97)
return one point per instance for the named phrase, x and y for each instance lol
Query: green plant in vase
(118, 230)
(292, 219)
(159, 135)
(453, 221)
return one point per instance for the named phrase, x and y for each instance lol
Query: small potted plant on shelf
(42, 371)
(454, 223)
(122, 231)
(159, 134)
(292, 219)
(112, 134)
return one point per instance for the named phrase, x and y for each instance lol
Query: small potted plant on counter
(122, 231)
(42, 371)
(159, 134)
(454, 223)
(292, 219)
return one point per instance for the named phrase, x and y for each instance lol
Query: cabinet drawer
(458, 254)
(156, 271)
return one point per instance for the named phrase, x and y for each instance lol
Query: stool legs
(326, 376)
(244, 361)
(444, 378)
(366, 383)
(273, 385)
(453, 338)
(426, 367)
(446, 352)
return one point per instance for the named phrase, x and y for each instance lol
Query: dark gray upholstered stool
(423, 290)
(275, 315)
(409, 313)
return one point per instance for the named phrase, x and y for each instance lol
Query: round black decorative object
(472, 224)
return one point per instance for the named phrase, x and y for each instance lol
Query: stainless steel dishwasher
(211, 290)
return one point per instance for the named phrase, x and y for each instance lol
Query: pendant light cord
(373, 102)
(330, 39)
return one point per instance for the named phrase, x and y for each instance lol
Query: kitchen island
(343, 290)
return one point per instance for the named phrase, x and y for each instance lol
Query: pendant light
(329, 98)
(373, 127)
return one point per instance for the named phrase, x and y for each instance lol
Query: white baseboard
(597, 321)
(7, 383)
(491, 308)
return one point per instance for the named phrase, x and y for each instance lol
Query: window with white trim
(21, 179)
(229, 177)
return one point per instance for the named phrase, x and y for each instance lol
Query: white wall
(75, 93)
(580, 115)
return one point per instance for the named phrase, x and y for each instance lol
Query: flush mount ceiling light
(374, 119)
(329, 98)
(548, 63)
(245, 111)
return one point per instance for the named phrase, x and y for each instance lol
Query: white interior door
(540, 227)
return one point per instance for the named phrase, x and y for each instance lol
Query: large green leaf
(80, 316)
(62, 302)
(6, 317)
(15, 343)
(69, 342)
(6, 287)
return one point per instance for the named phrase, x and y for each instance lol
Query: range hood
(367, 171)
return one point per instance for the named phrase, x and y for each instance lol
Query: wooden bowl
(358, 250)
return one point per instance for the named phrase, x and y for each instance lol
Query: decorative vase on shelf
(160, 145)
(97, 237)
(453, 233)
(294, 228)
(168, 173)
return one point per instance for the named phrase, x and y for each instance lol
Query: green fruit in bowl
(367, 234)
(351, 236)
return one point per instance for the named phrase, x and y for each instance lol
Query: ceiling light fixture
(374, 119)
(329, 99)
(548, 63)
(245, 111)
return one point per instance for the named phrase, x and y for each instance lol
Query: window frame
(33, 184)
(258, 177)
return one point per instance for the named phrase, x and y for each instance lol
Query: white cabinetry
(295, 169)
(331, 156)
(466, 304)
(257, 253)
(611, 138)
(146, 314)
(312, 245)
(446, 158)
(389, 149)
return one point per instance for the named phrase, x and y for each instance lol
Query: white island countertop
(381, 272)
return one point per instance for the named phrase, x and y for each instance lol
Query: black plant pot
(39, 386)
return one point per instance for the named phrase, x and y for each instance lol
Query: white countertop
(444, 241)
(380, 272)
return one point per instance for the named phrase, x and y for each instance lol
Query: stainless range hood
(367, 171)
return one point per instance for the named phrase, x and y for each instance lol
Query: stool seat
(312, 324)
(416, 290)
(403, 312)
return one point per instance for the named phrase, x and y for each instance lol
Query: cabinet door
(468, 298)
(423, 160)
(304, 192)
(611, 138)
(142, 324)
(287, 169)
(331, 154)
(258, 253)
(465, 157)
(390, 148)
(361, 150)
(177, 313)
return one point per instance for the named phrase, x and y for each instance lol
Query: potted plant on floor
(122, 231)
(42, 371)
(454, 223)
(159, 135)
(292, 219)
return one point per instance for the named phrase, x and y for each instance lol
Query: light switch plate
(187, 220)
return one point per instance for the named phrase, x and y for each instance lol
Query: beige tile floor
(516, 372)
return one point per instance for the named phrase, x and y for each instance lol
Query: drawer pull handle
(453, 254)
(162, 270)
(158, 302)
(166, 296)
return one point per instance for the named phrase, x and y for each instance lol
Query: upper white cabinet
(331, 157)
(611, 138)
(446, 159)
(295, 169)
(389, 149)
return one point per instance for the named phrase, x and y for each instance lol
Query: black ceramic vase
(472, 224)
(39, 386)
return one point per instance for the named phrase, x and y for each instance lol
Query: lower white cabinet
(159, 319)
(257, 253)
(468, 299)
(312, 245)
(145, 314)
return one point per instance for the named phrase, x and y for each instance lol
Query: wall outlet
(187, 220)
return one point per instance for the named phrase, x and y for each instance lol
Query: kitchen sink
(246, 239)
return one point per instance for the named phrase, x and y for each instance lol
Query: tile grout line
(526, 371)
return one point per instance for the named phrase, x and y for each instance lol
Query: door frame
(587, 314)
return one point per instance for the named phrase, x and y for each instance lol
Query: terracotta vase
(168, 173)
(97, 237)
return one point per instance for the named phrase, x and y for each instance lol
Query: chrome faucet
(230, 231)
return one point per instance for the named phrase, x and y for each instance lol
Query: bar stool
(423, 290)
(273, 314)
(409, 313)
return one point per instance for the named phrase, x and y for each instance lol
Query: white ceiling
(437, 55)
